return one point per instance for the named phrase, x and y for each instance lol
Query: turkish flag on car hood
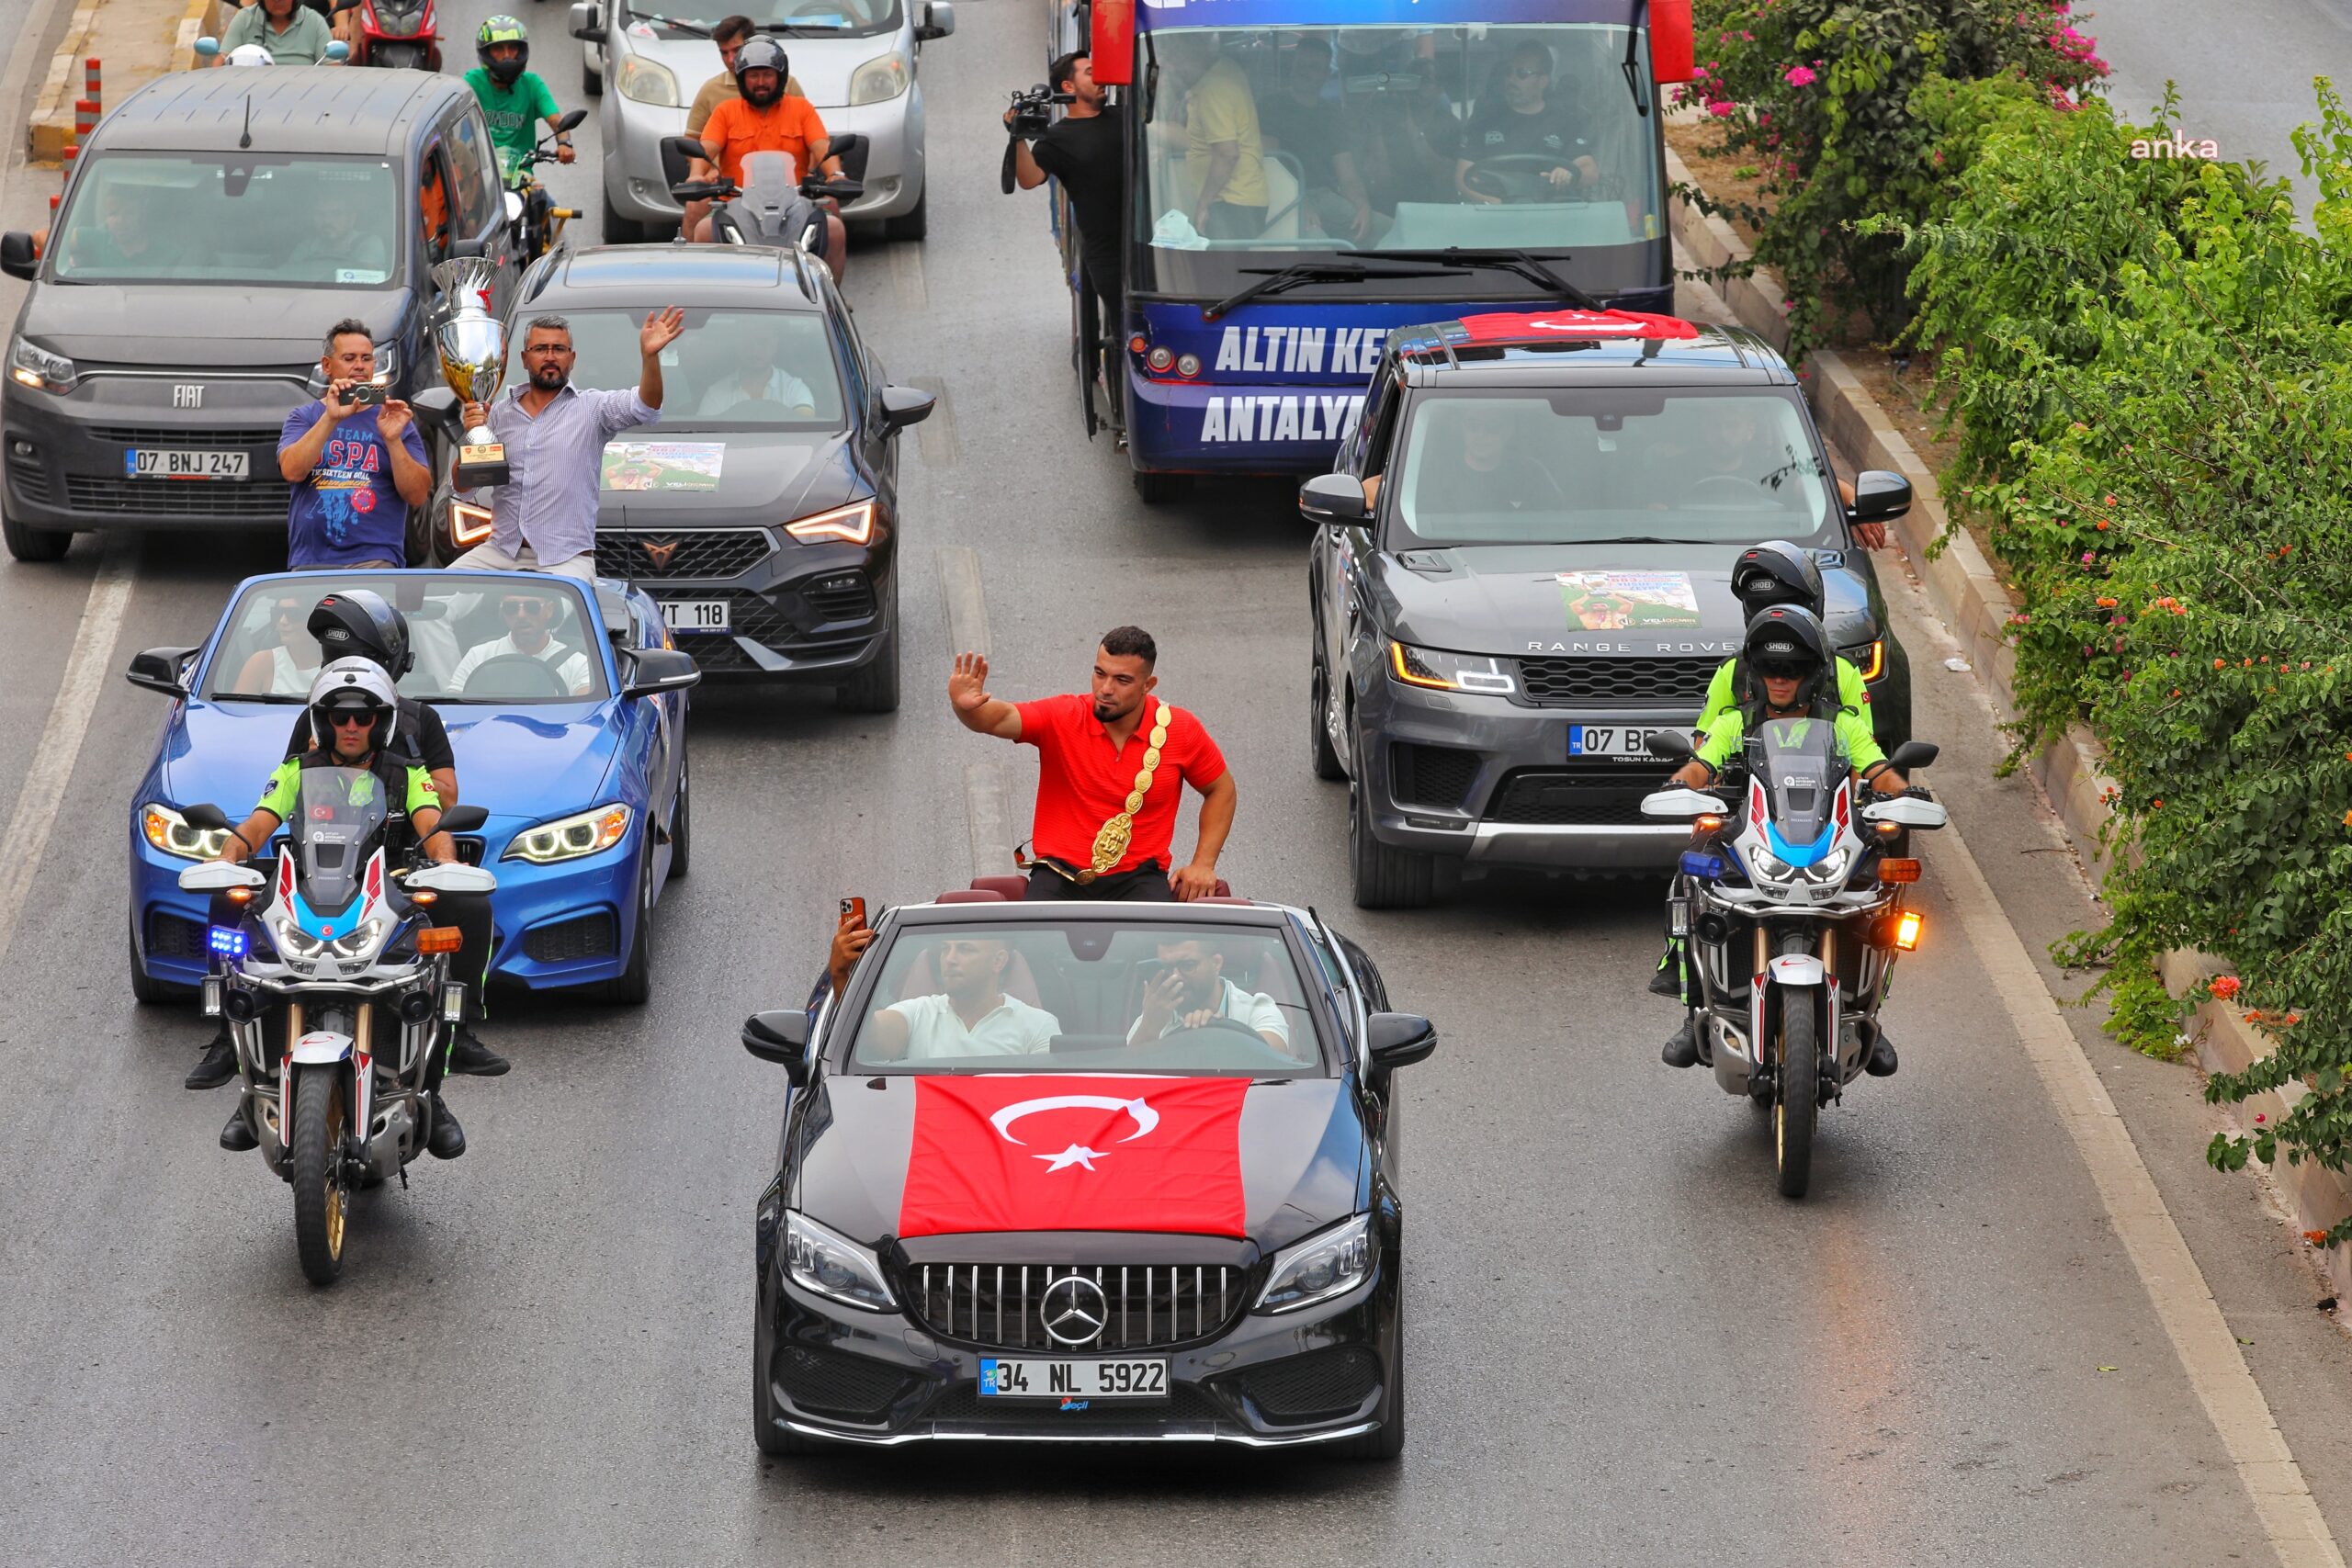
(1053, 1152)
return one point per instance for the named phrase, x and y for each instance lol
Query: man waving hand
(1113, 764)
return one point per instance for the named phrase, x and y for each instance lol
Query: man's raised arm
(967, 691)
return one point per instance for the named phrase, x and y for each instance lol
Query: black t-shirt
(1310, 132)
(1497, 129)
(1089, 157)
(419, 733)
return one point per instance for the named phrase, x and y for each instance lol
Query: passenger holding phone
(356, 462)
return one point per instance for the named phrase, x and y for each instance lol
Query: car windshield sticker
(1615, 601)
(662, 465)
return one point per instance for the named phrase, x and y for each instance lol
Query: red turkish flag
(1516, 326)
(1055, 1152)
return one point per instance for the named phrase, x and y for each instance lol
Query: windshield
(337, 819)
(1603, 465)
(476, 640)
(1264, 146)
(1090, 997)
(231, 218)
(731, 369)
(802, 18)
(1803, 766)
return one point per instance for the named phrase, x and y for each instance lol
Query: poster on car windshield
(662, 465)
(1615, 601)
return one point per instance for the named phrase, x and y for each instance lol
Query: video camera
(1029, 115)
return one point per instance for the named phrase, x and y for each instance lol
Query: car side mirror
(1395, 1040)
(938, 21)
(337, 51)
(1914, 754)
(587, 23)
(780, 1036)
(19, 258)
(436, 409)
(1880, 496)
(653, 670)
(465, 819)
(206, 818)
(161, 669)
(903, 406)
(1333, 497)
(678, 155)
(1670, 744)
(466, 248)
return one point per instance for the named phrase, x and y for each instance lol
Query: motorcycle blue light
(1707, 868)
(227, 942)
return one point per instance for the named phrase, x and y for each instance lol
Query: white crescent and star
(1139, 1110)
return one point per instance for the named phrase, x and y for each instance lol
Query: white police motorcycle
(1791, 904)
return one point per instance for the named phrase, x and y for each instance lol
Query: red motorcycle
(397, 34)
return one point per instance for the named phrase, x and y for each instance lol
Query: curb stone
(183, 21)
(1968, 595)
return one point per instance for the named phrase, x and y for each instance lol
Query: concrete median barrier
(136, 41)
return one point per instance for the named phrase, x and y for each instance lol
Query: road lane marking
(968, 610)
(936, 436)
(906, 274)
(52, 771)
(2200, 1336)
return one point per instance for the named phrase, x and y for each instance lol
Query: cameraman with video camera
(1085, 152)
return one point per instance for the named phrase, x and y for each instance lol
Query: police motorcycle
(775, 205)
(337, 993)
(1792, 907)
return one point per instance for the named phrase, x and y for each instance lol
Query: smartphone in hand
(854, 913)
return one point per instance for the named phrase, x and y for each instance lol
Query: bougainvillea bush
(1819, 94)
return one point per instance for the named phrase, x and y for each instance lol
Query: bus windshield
(1261, 147)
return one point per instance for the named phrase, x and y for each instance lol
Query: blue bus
(1305, 176)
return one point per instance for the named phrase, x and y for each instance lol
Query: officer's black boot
(217, 1066)
(237, 1136)
(469, 1055)
(1682, 1051)
(448, 1140)
(1881, 1062)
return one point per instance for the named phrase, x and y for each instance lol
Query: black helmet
(761, 53)
(1786, 637)
(498, 30)
(357, 622)
(1776, 572)
(353, 685)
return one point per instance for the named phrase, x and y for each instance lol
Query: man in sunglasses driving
(530, 619)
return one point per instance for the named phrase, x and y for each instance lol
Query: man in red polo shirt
(1112, 765)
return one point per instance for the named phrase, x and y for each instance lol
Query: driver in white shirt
(972, 1017)
(1192, 992)
(528, 617)
(757, 379)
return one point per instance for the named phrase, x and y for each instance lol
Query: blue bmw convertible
(566, 707)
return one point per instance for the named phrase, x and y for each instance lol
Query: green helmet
(503, 30)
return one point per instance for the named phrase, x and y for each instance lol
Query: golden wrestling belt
(1111, 839)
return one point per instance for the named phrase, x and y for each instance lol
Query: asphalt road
(1625, 1349)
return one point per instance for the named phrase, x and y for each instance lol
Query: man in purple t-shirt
(356, 470)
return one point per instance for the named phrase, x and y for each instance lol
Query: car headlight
(388, 366)
(29, 364)
(854, 524)
(1474, 672)
(1326, 1265)
(640, 81)
(878, 81)
(569, 838)
(1868, 659)
(833, 1266)
(168, 831)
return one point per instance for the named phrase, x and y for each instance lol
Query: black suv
(216, 225)
(1524, 569)
(763, 509)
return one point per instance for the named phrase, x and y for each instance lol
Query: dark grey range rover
(218, 223)
(1542, 579)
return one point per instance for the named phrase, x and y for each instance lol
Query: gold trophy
(472, 345)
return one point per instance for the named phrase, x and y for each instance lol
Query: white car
(856, 60)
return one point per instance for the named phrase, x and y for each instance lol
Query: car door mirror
(161, 669)
(466, 248)
(1333, 497)
(436, 409)
(464, 819)
(206, 818)
(1395, 1040)
(781, 1037)
(1881, 495)
(1670, 744)
(17, 256)
(938, 21)
(587, 21)
(903, 406)
(656, 670)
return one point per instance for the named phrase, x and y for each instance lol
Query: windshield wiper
(1278, 278)
(1638, 539)
(1532, 268)
(700, 30)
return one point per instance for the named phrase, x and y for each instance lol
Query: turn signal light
(1899, 871)
(241, 894)
(424, 897)
(1906, 931)
(439, 939)
(1887, 829)
(1709, 823)
(469, 524)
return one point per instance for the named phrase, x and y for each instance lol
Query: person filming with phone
(356, 462)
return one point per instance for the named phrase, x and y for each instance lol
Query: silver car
(856, 60)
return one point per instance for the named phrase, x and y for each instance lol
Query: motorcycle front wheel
(321, 1200)
(1797, 1107)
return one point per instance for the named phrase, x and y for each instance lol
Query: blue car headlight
(168, 831)
(569, 838)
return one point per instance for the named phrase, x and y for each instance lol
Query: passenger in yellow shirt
(1224, 158)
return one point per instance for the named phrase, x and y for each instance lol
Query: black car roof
(760, 277)
(1013, 911)
(294, 109)
(1439, 353)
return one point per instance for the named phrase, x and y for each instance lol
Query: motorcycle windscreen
(1801, 764)
(338, 821)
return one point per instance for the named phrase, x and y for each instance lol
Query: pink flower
(1799, 76)
(1720, 110)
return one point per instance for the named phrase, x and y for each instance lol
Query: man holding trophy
(533, 455)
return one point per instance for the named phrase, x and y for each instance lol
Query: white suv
(856, 60)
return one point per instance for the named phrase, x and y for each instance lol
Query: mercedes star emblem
(1074, 1310)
